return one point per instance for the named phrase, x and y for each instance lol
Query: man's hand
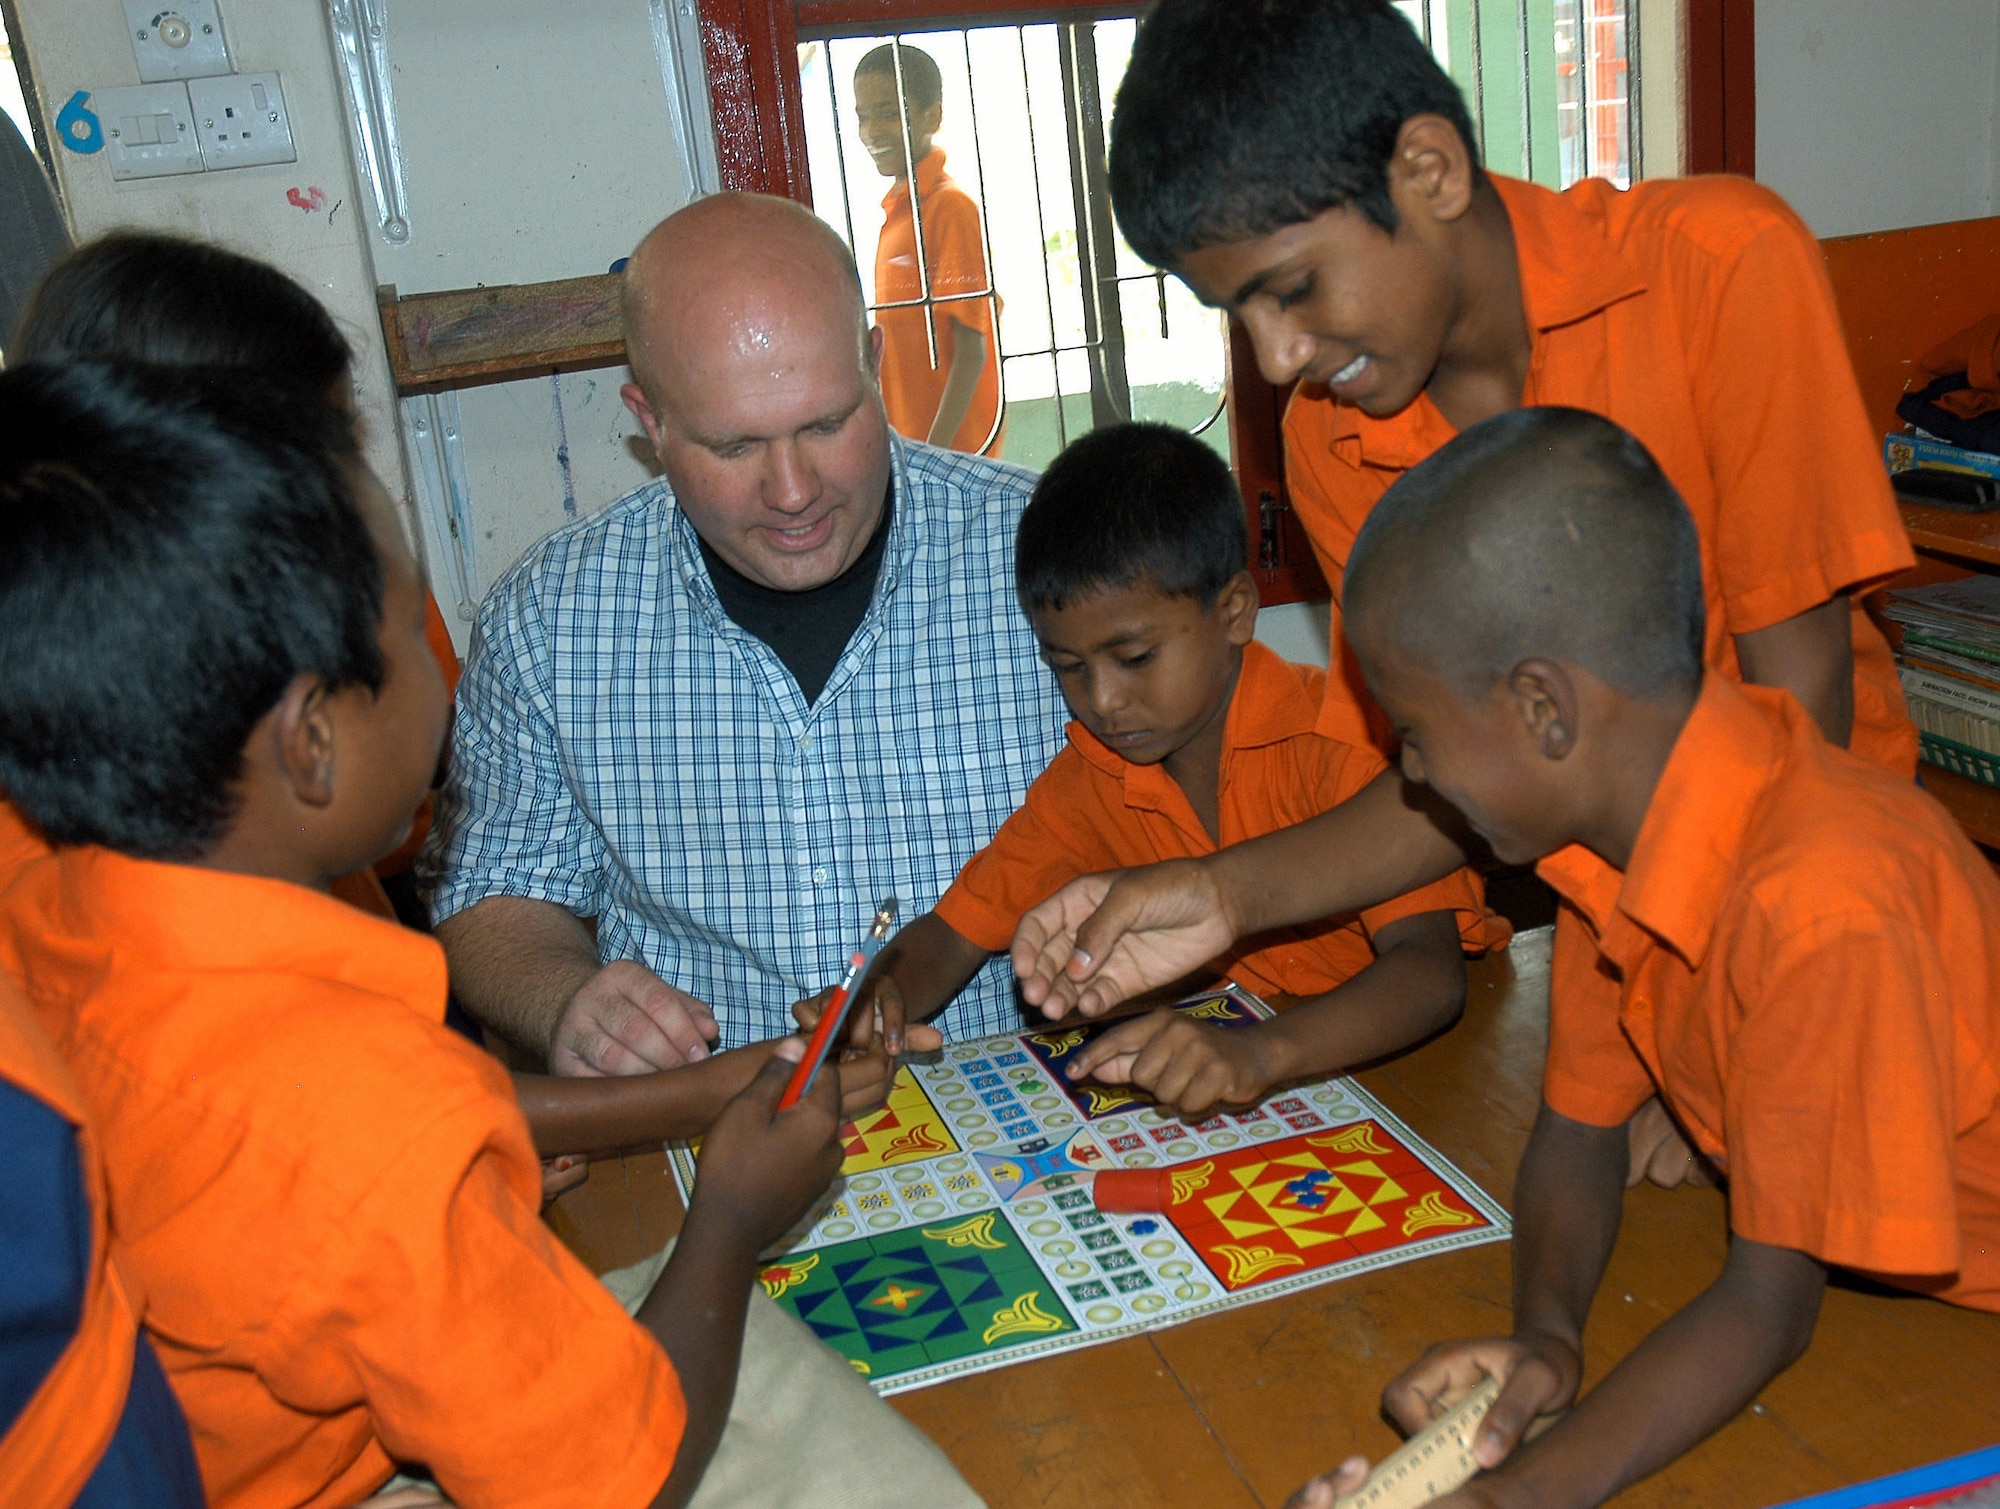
(1538, 1376)
(1187, 1066)
(880, 1011)
(627, 1020)
(1105, 938)
(762, 1167)
(1660, 1153)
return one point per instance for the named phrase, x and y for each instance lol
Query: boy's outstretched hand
(1187, 1066)
(761, 1168)
(1106, 938)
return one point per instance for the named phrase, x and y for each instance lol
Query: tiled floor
(1238, 1409)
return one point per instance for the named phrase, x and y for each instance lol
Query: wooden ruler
(1433, 1462)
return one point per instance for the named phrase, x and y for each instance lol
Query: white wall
(76, 45)
(1878, 114)
(535, 147)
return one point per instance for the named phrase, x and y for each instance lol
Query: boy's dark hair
(1130, 503)
(1238, 118)
(175, 547)
(923, 86)
(1541, 532)
(144, 297)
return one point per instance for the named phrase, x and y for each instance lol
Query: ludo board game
(961, 1233)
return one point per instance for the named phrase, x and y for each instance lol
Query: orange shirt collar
(1267, 707)
(179, 917)
(930, 178)
(1691, 841)
(1569, 271)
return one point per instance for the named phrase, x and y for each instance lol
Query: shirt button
(805, 743)
(819, 875)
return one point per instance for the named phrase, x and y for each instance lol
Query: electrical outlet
(176, 39)
(148, 130)
(241, 122)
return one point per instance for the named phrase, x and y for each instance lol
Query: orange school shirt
(961, 289)
(326, 1201)
(1696, 313)
(53, 1446)
(1091, 810)
(1810, 961)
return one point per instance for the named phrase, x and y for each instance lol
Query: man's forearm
(600, 1114)
(515, 963)
(1683, 1382)
(1387, 839)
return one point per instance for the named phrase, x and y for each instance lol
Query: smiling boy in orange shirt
(1131, 563)
(1808, 949)
(1307, 166)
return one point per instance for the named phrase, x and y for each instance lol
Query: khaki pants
(804, 1431)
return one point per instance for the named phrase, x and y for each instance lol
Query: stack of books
(1950, 667)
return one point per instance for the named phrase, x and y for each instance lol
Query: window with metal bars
(1083, 332)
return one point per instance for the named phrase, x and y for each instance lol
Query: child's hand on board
(761, 1167)
(1188, 1066)
(878, 1013)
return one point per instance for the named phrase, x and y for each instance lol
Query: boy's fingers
(921, 1037)
(1527, 1394)
(889, 1005)
(1123, 1041)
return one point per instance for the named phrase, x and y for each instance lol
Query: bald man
(702, 732)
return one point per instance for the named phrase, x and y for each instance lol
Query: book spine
(1953, 646)
(1954, 723)
(1952, 692)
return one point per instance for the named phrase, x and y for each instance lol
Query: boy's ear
(1236, 607)
(302, 726)
(1545, 698)
(1430, 171)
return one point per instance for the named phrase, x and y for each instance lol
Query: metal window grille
(1087, 334)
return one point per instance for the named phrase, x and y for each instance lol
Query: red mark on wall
(308, 200)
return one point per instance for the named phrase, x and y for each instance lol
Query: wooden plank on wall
(1902, 292)
(493, 334)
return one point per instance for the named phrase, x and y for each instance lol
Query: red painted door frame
(1722, 86)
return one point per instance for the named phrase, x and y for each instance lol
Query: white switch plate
(176, 39)
(148, 130)
(241, 121)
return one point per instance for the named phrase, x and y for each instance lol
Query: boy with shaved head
(1807, 949)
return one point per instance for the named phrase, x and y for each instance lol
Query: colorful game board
(961, 1234)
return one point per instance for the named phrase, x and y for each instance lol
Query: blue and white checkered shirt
(624, 750)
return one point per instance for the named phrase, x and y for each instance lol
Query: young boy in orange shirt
(1132, 565)
(941, 366)
(218, 696)
(1808, 948)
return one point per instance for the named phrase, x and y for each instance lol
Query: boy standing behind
(217, 696)
(953, 401)
(1808, 948)
(1131, 563)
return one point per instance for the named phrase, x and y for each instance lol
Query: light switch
(240, 120)
(148, 130)
(176, 39)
